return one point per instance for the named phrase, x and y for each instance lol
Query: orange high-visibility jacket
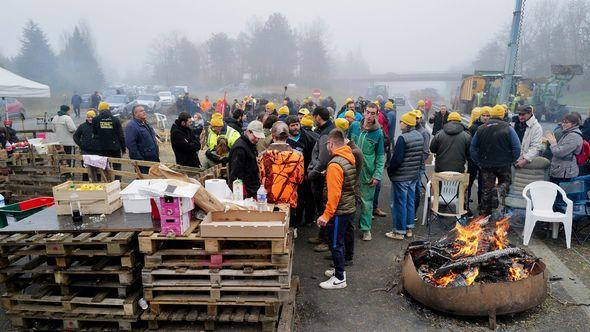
(281, 172)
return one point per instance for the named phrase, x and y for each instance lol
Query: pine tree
(36, 60)
(221, 59)
(314, 63)
(78, 65)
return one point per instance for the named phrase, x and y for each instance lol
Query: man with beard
(183, 141)
(303, 141)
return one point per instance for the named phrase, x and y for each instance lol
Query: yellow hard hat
(417, 113)
(498, 111)
(409, 119)
(103, 106)
(303, 111)
(284, 110)
(348, 100)
(388, 105)
(454, 116)
(485, 110)
(341, 124)
(349, 114)
(307, 120)
(270, 106)
(421, 103)
(216, 121)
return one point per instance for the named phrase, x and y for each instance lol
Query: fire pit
(473, 271)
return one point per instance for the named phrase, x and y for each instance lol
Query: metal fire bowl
(477, 300)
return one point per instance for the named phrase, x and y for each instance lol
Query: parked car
(14, 108)
(117, 101)
(400, 101)
(150, 102)
(166, 98)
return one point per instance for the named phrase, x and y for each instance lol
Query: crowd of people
(328, 165)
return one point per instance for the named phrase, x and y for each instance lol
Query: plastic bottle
(238, 190)
(2, 203)
(75, 208)
(261, 199)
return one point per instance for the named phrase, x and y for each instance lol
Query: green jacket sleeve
(379, 158)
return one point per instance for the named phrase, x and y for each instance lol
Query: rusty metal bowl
(488, 299)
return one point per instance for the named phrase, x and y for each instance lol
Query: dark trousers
(337, 229)
(490, 191)
(113, 154)
(76, 110)
(418, 188)
(305, 211)
(474, 172)
(376, 197)
(317, 188)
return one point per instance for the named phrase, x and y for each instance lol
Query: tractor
(480, 89)
(547, 92)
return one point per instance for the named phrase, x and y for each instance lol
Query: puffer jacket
(563, 163)
(531, 144)
(281, 172)
(85, 139)
(320, 156)
(451, 147)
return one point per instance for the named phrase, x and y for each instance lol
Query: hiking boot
(379, 213)
(333, 283)
(409, 233)
(314, 240)
(321, 247)
(366, 236)
(394, 235)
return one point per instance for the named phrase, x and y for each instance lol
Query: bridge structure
(404, 77)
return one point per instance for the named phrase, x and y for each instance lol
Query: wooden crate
(244, 224)
(107, 200)
(47, 321)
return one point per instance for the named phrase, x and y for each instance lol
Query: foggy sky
(395, 35)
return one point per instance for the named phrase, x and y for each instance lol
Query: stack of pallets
(70, 281)
(192, 281)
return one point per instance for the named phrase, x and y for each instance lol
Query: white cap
(256, 128)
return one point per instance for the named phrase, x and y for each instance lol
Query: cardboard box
(106, 200)
(245, 224)
(177, 225)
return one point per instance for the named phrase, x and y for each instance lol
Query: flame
(500, 233)
(517, 271)
(447, 279)
(470, 275)
(467, 239)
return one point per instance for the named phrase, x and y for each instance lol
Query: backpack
(582, 158)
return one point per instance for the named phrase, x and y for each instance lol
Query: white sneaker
(331, 272)
(295, 233)
(333, 283)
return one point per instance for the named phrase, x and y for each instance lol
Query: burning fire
(471, 274)
(517, 271)
(502, 226)
(444, 281)
(467, 239)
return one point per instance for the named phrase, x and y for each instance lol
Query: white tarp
(12, 85)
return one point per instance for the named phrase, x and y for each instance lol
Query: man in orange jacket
(281, 168)
(340, 206)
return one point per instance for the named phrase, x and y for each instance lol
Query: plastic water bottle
(2, 203)
(261, 199)
(238, 190)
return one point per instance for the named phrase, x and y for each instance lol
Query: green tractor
(546, 93)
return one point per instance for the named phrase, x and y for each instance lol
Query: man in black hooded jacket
(184, 143)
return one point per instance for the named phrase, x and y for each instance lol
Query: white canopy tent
(12, 85)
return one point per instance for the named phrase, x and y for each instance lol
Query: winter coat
(426, 136)
(563, 162)
(438, 122)
(76, 100)
(320, 156)
(495, 144)
(406, 157)
(451, 147)
(84, 138)
(235, 124)
(244, 166)
(340, 189)
(64, 128)
(532, 140)
(230, 133)
(140, 139)
(94, 101)
(371, 143)
(391, 118)
(109, 133)
(185, 145)
(281, 172)
(304, 144)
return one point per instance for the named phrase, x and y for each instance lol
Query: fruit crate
(95, 198)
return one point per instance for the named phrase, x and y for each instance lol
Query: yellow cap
(348, 100)
(303, 111)
(388, 105)
(270, 106)
(91, 113)
(307, 120)
(103, 106)
(485, 110)
(454, 116)
(216, 121)
(417, 113)
(349, 114)
(341, 124)
(421, 103)
(409, 119)
(498, 111)
(284, 110)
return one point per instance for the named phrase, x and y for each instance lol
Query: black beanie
(64, 108)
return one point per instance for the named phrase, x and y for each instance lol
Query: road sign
(316, 93)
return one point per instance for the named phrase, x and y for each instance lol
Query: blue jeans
(402, 205)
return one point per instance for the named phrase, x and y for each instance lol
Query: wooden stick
(475, 260)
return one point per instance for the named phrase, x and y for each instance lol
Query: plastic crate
(21, 210)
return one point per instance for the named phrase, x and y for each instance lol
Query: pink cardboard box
(175, 224)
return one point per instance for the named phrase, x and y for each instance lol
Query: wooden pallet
(48, 298)
(19, 257)
(81, 244)
(46, 321)
(150, 242)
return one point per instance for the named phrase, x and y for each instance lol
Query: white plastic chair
(161, 121)
(539, 207)
(448, 194)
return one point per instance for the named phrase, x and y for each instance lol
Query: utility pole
(510, 64)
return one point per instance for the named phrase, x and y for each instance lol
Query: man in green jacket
(368, 136)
